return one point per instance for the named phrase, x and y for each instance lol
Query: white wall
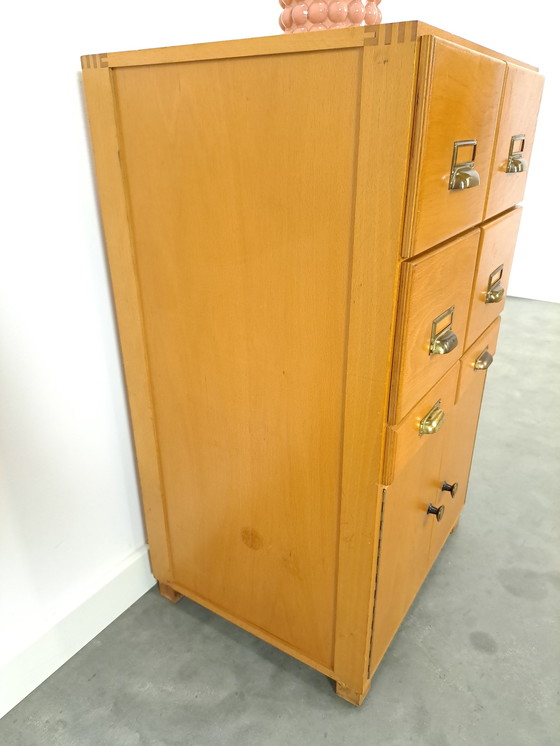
(72, 552)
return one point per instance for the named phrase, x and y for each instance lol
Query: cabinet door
(514, 141)
(459, 99)
(404, 557)
(461, 435)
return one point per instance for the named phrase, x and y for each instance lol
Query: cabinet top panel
(385, 34)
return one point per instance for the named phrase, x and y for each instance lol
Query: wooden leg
(350, 695)
(168, 593)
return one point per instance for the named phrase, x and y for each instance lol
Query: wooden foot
(350, 695)
(168, 593)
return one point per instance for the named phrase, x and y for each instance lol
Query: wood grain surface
(388, 76)
(404, 440)
(518, 116)
(126, 292)
(430, 285)
(459, 99)
(460, 438)
(258, 197)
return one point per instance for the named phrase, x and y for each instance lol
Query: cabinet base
(352, 696)
(167, 592)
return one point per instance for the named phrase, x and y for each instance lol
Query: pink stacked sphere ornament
(299, 16)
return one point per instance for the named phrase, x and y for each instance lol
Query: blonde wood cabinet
(309, 240)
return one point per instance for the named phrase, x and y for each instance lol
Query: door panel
(429, 416)
(459, 101)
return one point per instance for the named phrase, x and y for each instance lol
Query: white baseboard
(22, 674)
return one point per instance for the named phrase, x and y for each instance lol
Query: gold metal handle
(445, 340)
(495, 292)
(433, 421)
(464, 174)
(516, 164)
(484, 360)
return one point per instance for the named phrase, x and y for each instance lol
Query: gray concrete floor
(477, 660)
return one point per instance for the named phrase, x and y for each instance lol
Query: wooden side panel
(120, 251)
(404, 440)
(520, 108)
(410, 538)
(459, 99)
(387, 98)
(241, 178)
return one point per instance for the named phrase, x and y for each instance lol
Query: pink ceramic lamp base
(318, 15)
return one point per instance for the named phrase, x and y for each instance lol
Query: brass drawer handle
(438, 512)
(444, 341)
(516, 163)
(464, 174)
(495, 292)
(484, 360)
(433, 421)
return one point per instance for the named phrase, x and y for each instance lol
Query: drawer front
(492, 272)
(461, 435)
(435, 297)
(459, 99)
(514, 140)
(425, 423)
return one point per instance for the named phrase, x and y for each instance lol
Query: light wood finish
(497, 245)
(111, 184)
(388, 33)
(461, 434)
(404, 557)
(411, 539)
(468, 374)
(254, 630)
(351, 695)
(167, 592)
(424, 29)
(275, 345)
(458, 100)
(389, 73)
(224, 281)
(404, 440)
(430, 285)
(520, 108)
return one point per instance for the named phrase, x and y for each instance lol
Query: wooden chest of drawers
(309, 240)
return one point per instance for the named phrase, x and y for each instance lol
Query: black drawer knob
(446, 487)
(438, 512)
